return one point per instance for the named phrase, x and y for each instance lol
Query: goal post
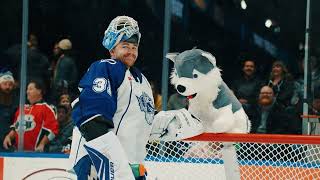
(235, 156)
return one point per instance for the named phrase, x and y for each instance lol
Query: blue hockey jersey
(121, 95)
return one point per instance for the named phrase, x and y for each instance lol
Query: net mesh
(202, 160)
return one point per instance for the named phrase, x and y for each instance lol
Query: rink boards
(34, 166)
(37, 166)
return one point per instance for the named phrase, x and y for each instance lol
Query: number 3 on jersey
(100, 85)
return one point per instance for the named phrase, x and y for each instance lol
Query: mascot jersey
(121, 95)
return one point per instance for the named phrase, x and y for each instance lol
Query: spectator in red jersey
(41, 125)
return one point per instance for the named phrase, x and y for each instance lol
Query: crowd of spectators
(274, 104)
(51, 86)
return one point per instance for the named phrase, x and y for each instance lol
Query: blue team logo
(146, 105)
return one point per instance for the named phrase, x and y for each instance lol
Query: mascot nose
(181, 88)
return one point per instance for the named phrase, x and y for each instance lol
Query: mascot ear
(210, 57)
(172, 56)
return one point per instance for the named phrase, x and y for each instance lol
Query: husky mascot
(211, 102)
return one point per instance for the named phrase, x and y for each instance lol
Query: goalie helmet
(120, 29)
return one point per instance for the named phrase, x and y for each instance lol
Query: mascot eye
(195, 75)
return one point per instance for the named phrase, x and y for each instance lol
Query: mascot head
(195, 74)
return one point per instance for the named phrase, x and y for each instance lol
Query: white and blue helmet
(120, 29)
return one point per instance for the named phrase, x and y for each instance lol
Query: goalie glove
(175, 125)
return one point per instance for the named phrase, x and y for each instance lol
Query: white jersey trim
(97, 115)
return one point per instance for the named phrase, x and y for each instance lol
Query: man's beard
(6, 91)
(265, 101)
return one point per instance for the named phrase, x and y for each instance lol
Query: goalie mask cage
(235, 156)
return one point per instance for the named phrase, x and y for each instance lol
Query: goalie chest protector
(122, 95)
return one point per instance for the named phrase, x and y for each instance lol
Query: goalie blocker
(175, 125)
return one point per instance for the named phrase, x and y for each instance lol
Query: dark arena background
(221, 27)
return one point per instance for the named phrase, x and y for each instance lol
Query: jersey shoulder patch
(100, 84)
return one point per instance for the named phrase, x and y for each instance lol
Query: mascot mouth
(191, 96)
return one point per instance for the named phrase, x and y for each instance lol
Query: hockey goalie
(114, 112)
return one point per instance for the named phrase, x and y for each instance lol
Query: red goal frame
(257, 138)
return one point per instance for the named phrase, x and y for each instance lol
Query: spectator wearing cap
(6, 82)
(65, 69)
(8, 103)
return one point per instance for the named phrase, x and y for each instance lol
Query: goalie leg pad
(103, 166)
(109, 158)
(82, 168)
(77, 150)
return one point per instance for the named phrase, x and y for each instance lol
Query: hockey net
(235, 156)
